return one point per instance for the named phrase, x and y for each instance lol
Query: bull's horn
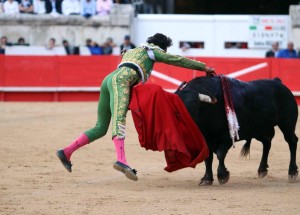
(207, 99)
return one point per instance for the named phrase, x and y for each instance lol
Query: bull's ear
(207, 98)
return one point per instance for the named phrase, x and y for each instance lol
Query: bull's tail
(245, 151)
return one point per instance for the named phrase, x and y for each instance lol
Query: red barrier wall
(21, 75)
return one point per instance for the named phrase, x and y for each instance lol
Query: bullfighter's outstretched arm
(176, 60)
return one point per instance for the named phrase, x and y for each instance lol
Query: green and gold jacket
(146, 55)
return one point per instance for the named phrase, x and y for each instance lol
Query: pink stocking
(79, 142)
(119, 145)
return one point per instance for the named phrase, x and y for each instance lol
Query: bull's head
(206, 97)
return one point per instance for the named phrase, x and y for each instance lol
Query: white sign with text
(264, 30)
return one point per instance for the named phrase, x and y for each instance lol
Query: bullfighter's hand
(210, 71)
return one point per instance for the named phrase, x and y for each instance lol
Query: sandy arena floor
(33, 181)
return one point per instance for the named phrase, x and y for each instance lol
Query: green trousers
(113, 103)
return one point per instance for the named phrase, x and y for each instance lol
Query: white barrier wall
(34, 51)
(43, 51)
(213, 30)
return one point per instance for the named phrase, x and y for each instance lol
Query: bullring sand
(33, 181)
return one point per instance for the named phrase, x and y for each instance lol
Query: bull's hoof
(224, 179)
(262, 174)
(293, 178)
(205, 182)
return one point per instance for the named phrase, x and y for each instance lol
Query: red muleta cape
(164, 124)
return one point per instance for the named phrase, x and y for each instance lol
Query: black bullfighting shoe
(130, 173)
(62, 157)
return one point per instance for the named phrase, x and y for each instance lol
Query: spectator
(147, 6)
(3, 44)
(67, 46)
(241, 45)
(51, 44)
(228, 45)
(26, 6)
(88, 8)
(70, 50)
(274, 50)
(1, 6)
(88, 43)
(103, 7)
(185, 46)
(21, 42)
(198, 45)
(127, 44)
(53, 6)
(290, 52)
(122, 1)
(71, 7)
(39, 6)
(95, 49)
(108, 46)
(11, 7)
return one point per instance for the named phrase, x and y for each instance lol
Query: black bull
(259, 105)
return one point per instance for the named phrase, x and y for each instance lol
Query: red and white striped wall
(78, 78)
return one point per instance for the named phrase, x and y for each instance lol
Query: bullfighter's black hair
(160, 40)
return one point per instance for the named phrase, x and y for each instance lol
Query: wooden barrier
(78, 78)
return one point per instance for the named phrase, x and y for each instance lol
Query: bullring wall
(78, 78)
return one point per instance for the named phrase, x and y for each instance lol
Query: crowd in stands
(86, 8)
(105, 48)
(4, 42)
(288, 52)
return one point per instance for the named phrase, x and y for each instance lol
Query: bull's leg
(291, 138)
(293, 168)
(208, 177)
(223, 173)
(263, 166)
(266, 140)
